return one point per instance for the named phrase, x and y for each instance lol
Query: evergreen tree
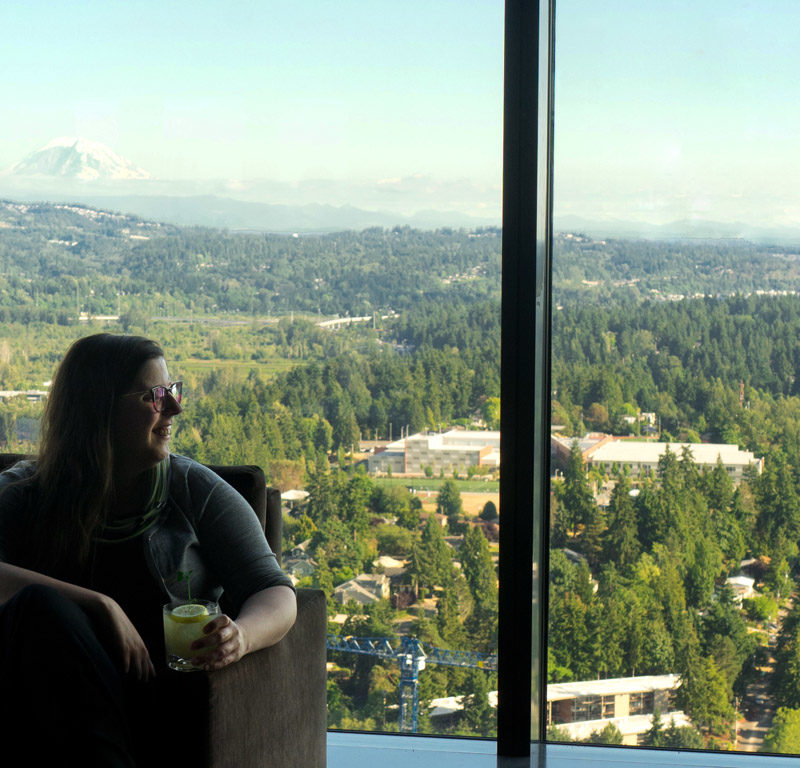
(430, 562)
(479, 572)
(477, 566)
(719, 488)
(622, 542)
(448, 623)
(609, 734)
(683, 737)
(786, 681)
(448, 502)
(479, 717)
(489, 512)
(593, 536)
(576, 501)
(655, 735)
(704, 695)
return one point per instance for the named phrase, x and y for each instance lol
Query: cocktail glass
(183, 624)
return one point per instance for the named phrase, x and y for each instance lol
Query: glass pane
(301, 202)
(674, 523)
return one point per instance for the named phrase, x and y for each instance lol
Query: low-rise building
(633, 727)
(623, 707)
(582, 708)
(294, 500)
(642, 456)
(457, 449)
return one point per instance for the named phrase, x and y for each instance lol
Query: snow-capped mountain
(74, 158)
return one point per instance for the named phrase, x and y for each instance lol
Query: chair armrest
(270, 708)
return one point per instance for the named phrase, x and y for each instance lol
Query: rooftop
(649, 452)
(614, 685)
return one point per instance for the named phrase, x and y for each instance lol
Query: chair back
(248, 479)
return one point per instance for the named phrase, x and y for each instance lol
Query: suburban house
(365, 588)
(743, 587)
(299, 568)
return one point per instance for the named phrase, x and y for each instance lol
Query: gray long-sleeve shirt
(205, 528)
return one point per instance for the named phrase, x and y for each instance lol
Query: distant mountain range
(242, 215)
(78, 170)
(684, 229)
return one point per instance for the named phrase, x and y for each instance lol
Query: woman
(101, 530)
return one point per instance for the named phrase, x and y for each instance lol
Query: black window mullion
(525, 370)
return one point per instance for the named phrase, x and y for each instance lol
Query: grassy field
(434, 483)
(243, 367)
(474, 493)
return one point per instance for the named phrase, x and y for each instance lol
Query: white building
(641, 456)
(628, 703)
(585, 707)
(445, 711)
(457, 449)
(633, 727)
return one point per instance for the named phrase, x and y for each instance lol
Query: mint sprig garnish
(186, 576)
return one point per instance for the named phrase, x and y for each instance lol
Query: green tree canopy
(784, 735)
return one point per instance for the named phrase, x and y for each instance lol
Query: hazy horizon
(664, 112)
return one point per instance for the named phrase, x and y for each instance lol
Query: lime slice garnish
(189, 613)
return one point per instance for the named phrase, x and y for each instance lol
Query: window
(524, 711)
(270, 114)
(641, 703)
(673, 327)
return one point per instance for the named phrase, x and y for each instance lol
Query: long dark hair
(74, 476)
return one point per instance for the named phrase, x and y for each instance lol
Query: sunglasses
(159, 394)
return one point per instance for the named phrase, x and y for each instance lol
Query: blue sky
(270, 88)
(665, 110)
(678, 109)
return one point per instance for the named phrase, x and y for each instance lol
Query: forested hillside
(585, 269)
(238, 316)
(154, 266)
(691, 362)
(117, 263)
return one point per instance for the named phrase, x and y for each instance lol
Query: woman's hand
(224, 642)
(120, 638)
(265, 618)
(124, 640)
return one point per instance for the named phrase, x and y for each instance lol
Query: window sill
(367, 750)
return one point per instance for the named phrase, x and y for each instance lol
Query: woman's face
(140, 434)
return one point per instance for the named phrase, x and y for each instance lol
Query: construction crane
(412, 656)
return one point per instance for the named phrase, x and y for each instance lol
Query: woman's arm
(126, 642)
(264, 619)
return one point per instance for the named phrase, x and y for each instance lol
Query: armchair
(269, 709)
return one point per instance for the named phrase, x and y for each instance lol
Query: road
(758, 706)
(758, 712)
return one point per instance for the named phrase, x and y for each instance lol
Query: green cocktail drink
(183, 624)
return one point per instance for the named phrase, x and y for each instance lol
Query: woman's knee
(42, 599)
(42, 609)
(38, 594)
